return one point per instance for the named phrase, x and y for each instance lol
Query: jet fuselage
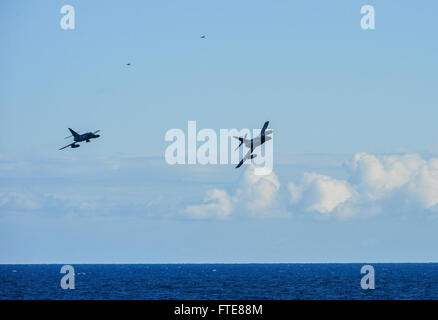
(85, 137)
(258, 141)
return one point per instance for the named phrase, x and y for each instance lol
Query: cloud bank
(397, 182)
(370, 185)
(375, 185)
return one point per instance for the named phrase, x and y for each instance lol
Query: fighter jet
(254, 143)
(80, 137)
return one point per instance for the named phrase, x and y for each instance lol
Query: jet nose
(97, 135)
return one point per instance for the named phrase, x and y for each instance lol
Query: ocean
(220, 281)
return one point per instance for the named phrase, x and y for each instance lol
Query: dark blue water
(220, 281)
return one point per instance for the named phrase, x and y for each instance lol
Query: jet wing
(68, 145)
(265, 126)
(246, 157)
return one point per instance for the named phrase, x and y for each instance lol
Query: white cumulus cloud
(320, 193)
(375, 177)
(256, 195)
(374, 181)
(217, 204)
(424, 185)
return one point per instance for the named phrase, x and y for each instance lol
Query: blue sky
(354, 113)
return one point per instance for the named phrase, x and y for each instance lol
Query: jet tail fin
(242, 140)
(73, 133)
